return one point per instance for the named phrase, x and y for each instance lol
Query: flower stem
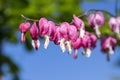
(29, 19)
(108, 57)
(88, 12)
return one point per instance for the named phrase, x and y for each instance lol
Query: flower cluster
(73, 35)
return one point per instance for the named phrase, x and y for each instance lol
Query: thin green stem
(108, 57)
(86, 13)
(29, 19)
(95, 10)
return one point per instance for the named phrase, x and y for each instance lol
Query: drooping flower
(76, 45)
(79, 24)
(24, 27)
(64, 35)
(114, 24)
(50, 34)
(72, 35)
(43, 26)
(96, 20)
(88, 42)
(108, 44)
(34, 35)
(47, 30)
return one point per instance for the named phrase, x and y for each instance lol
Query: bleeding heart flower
(108, 44)
(50, 34)
(79, 24)
(88, 42)
(72, 35)
(23, 29)
(114, 24)
(76, 45)
(64, 30)
(47, 30)
(96, 20)
(43, 26)
(34, 35)
(64, 35)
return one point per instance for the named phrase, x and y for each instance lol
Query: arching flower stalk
(73, 35)
(34, 35)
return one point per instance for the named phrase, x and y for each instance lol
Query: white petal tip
(111, 52)
(69, 47)
(62, 45)
(87, 52)
(97, 31)
(35, 44)
(81, 33)
(46, 43)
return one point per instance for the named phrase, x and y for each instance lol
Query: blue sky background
(52, 64)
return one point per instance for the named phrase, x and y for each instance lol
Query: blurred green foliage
(55, 10)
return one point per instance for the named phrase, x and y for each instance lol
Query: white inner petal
(81, 33)
(46, 42)
(69, 47)
(87, 52)
(110, 50)
(38, 43)
(22, 34)
(33, 44)
(97, 31)
(62, 45)
(117, 30)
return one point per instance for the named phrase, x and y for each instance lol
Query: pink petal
(24, 27)
(78, 22)
(34, 31)
(77, 44)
